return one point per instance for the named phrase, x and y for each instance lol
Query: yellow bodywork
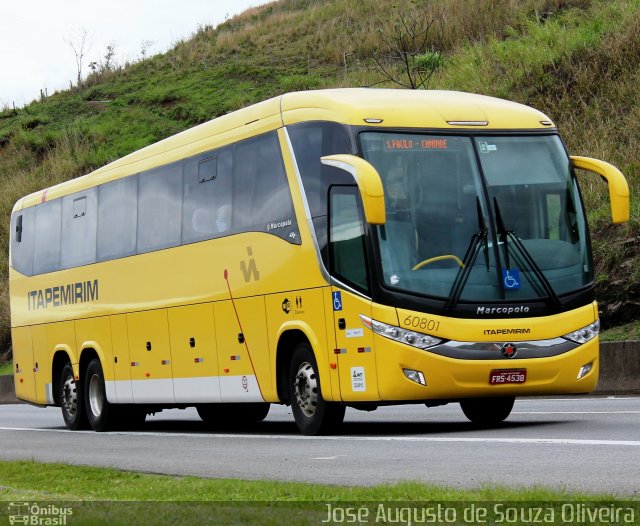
(618, 187)
(191, 324)
(369, 183)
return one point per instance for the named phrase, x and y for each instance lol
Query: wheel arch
(286, 344)
(90, 351)
(61, 356)
(87, 354)
(291, 334)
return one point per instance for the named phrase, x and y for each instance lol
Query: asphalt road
(585, 444)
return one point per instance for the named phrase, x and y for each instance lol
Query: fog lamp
(415, 376)
(585, 370)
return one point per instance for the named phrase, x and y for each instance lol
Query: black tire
(99, 410)
(232, 415)
(101, 414)
(71, 400)
(313, 415)
(487, 411)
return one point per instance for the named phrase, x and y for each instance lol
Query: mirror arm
(368, 181)
(618, 187)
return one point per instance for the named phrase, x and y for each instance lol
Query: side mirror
(369, 184)
(618, 187)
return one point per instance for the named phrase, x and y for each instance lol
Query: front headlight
(415, 339)
(585, 334)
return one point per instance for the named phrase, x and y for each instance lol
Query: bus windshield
(479, 218)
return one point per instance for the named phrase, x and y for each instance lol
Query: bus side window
(79, 228)
(46, 257)
(206, 209)
(159, 208)
(117, 218)
(261, 194)
(346, 237)
(310, 141)
(22, 241)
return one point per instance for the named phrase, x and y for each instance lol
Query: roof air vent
(468, 123)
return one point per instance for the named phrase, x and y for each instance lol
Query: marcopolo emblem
(509, 350)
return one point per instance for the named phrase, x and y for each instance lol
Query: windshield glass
(444, 238)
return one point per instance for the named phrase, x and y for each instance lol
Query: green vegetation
(99, 496)
(110, 484)
(576, 60)
(6, 368)
(628, 331)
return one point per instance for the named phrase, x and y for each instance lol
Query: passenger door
(354, 353)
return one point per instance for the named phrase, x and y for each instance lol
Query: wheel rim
(306, 388)
(96, 397)
(70, 396)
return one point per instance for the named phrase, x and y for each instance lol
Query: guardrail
(619, 372)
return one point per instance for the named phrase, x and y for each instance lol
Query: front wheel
(313, 415)
(487, 411)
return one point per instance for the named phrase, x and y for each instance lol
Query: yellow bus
(323, 249)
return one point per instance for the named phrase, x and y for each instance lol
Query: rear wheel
(313, 415)
(487, 411)
(224, 415)
(71, 400)
(103, 415)
(99, 411)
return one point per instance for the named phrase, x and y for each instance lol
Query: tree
(145, 46)
(408, 42)
(108, 63)
(81, 47)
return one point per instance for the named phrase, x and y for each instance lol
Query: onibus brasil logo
(38, 514)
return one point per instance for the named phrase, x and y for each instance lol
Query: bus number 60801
(425, 324)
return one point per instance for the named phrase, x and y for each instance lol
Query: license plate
(507, 376)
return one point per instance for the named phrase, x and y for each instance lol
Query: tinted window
(79, 228)
(262, 199)
(311, 141)
(347, 247)
(206, 211)
(47, 237)
(159, 208)
(22, 234)
(117, 218)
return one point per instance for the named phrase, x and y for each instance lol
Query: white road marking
(485, 440)
(576, 399)
(575, 412)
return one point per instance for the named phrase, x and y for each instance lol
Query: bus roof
(429, 109)
(426, 109)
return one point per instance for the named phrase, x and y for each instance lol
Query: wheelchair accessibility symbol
(337, 301)
(511, 278)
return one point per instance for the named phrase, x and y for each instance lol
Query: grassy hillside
(576, 60)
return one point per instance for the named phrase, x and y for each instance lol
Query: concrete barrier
(7, 390)
(619, 372)
(619, 368)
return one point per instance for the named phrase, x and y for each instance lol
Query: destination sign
(407, 143)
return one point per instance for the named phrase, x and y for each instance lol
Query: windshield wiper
(505, 235)
(480, 237)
